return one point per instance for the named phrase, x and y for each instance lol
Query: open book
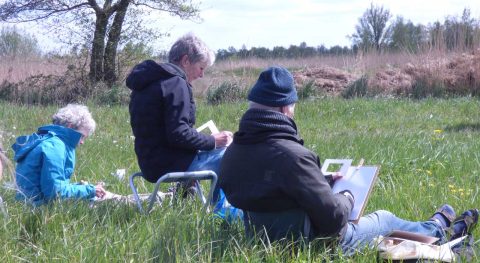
(358, 180)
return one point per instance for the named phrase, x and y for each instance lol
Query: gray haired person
(162, 113)
(46, 159)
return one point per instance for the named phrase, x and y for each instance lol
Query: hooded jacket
(45, 163)
(162, 116)
(267, 169)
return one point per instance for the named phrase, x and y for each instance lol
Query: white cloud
(270, 23)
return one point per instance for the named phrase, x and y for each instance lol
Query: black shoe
(186, 189)
(444, 216)
(464, 224)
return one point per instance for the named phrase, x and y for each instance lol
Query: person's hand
(99, 190)
(336, 176)
(223, 138)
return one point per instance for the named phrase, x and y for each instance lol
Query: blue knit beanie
(275, 88)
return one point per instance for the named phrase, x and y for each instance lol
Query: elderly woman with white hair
(46, 158)
(162, 113)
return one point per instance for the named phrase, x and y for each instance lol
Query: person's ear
(184, 61)
(287, 110)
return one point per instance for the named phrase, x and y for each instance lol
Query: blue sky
(270, 23)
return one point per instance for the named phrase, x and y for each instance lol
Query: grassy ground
(428, 151)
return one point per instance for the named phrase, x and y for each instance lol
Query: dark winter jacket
(267, 169)
(162, 116)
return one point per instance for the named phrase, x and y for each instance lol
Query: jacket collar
(258, 125)
(149, 71)
(69, 136)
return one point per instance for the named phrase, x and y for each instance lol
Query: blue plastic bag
(224, 210)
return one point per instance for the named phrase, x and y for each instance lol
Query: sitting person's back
(267, 169)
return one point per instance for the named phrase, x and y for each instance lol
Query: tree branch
(13, 10)
(183, 9)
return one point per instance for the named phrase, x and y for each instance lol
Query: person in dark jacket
(162, 113)
(269, 174)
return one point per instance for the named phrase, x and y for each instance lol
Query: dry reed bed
(390, 74)
(15, 70)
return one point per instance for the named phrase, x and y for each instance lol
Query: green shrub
(359, 88)
(423, 89)
(226, 92)
(115, 95)
(308, 91)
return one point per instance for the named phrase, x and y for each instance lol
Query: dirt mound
(392, 80)
(452, 74)
(463, 72)
(458, 74)
(326, 79)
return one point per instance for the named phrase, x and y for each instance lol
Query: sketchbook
(359, 180)
(210, 125)
(213, 129)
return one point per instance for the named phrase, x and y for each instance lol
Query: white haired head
(75, 116)
(192, 46)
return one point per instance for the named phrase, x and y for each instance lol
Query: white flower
(120, 174)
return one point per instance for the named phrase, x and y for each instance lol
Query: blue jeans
(208, 160)
(382, 222)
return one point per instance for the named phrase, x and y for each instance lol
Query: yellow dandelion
(451, 186)
(437, 131)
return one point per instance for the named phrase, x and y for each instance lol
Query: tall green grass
(428, 150)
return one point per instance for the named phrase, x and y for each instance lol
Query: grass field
(428, 150)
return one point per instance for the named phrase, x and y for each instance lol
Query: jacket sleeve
(179, 109)
(54, 180)
(328, 212)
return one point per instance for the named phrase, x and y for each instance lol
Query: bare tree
(108, 20)
(372, 29)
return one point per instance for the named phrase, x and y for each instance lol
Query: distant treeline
(375, 31)
(293, 51)
(456, 33)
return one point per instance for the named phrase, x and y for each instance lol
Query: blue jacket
(162, 116)
(45, 163)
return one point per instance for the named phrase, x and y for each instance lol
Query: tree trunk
(98, 47)
(112, 43)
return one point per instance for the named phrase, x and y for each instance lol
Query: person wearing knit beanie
(278, 183)
(275, 87)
